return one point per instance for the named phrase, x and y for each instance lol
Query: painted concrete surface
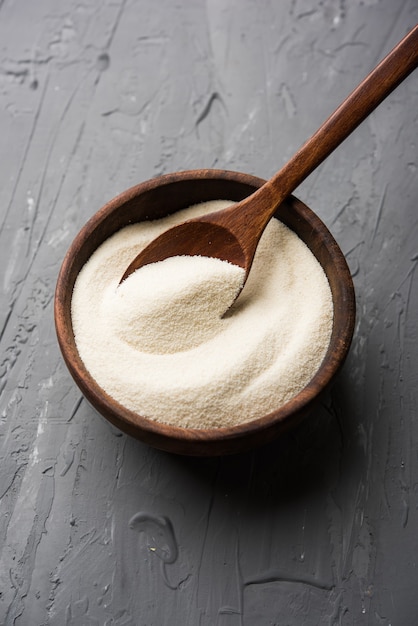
(318, 528)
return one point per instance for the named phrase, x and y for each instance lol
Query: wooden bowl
(155, 199)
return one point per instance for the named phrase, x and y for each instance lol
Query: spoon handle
(390, 72)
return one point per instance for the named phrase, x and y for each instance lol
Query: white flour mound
(158, 343)
(174, 305)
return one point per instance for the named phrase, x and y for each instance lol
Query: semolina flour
(160, 343)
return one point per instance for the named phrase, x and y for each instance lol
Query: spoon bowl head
(155, 199)
(192, 238)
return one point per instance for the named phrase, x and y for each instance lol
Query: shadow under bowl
(155, 199)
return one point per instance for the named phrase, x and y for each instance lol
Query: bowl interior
(155, 199)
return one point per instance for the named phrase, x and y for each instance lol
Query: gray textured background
(320, 527)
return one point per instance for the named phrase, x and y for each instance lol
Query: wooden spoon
(232, 234)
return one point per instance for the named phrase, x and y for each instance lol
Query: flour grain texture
(165, 344)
